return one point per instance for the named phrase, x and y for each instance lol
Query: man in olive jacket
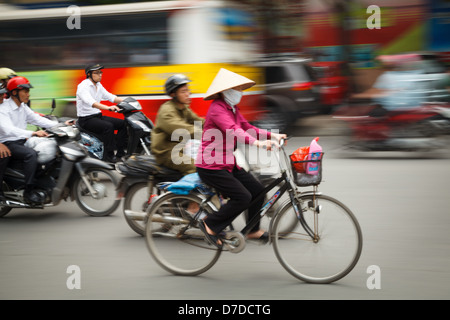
(172, 115)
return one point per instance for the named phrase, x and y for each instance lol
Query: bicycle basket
(299, 169)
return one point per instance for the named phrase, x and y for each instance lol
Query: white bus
(140, 44)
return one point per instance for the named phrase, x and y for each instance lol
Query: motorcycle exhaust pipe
(16, 204)
(169, 219)
(142, 216)
(136, 215)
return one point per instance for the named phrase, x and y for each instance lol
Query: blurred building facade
(332, 30)
(340, 30)
(326, 30)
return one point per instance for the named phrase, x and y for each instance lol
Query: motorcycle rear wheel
(137, 199)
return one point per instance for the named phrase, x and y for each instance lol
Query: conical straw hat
(225, 80)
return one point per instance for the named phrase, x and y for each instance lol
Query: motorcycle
(139, 186)
(139, 128)
(71, 174)
(373, 128)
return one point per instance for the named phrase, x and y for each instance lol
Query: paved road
(402, 205)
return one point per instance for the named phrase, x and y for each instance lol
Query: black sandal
(263, 239)
(212, 239)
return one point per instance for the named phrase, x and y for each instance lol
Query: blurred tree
(279, 23)
(100, 2)
(342, 10)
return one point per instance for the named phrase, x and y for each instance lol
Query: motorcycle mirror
(53, 106)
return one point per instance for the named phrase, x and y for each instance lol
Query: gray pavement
(401, 204)
(319, 125)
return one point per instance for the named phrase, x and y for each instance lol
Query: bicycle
(322, 246)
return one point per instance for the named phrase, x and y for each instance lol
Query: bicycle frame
(287, 185)
(275, 197)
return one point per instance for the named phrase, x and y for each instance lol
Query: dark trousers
(104, 127)
(27, 156)
(3, 165)
(240, 187)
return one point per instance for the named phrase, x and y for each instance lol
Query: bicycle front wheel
(173, 237)
(326, 243)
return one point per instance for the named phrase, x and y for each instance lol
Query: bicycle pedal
(233, 241)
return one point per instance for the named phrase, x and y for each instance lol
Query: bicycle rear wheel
(329, 251)
(173, 237)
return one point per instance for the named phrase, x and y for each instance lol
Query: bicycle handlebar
(283, 141)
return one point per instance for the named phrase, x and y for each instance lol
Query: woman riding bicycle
(216, 166)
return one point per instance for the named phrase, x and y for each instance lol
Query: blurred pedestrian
(216, 164)
(173, 115)
(90, 93)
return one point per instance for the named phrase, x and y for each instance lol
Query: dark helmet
(175, 81)
(91, 68)
(18, 83)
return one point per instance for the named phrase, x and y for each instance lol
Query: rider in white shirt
(90, 93)
(5, 154)
(15, 115)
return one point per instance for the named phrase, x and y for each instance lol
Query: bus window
(115, 40)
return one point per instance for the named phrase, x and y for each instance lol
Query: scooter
(139, 129)
(141, 176)
(373, 128)
(71, 174)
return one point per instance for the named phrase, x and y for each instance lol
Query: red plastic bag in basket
(300, 154)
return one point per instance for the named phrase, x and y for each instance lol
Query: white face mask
(232, 97)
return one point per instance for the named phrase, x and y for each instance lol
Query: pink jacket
(224, 128)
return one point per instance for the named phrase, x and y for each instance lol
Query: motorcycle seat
(138, 165)
(87, 131)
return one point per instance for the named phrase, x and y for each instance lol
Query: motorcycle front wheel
(103, 200)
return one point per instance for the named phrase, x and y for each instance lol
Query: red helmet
(18, 83)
